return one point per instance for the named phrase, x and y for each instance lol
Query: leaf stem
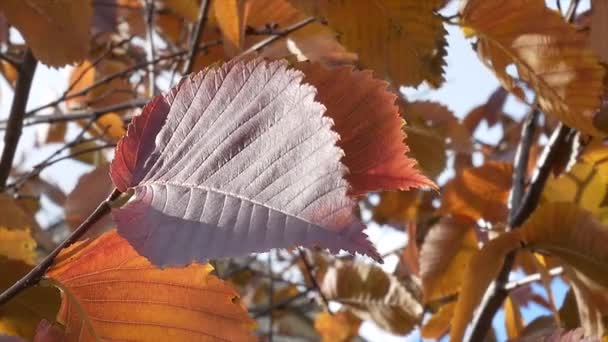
(309, 272)
(15, 119)
(35, 275)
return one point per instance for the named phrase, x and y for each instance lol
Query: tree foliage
(236, 150)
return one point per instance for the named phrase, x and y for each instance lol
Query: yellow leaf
(439, 323)
(88, 153)
(340, 327)
(114, 293)
(585, 184)
(513, 320)
(403, 40)
(478, 275)
(572, 234)
(11, 215)
(396, 207)
(21, 315)
(17, 245)
(110, 125)
(445, 253)
(372, 294)
(479, 192)
(56, 31)
(230, 19)
(551, 55)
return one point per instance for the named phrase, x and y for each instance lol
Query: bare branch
(196, 36)
(263, 43)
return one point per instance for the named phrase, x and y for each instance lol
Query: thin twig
(15, 118)
(36, 274)
(263, 43)
(554, 272)
(522, 156)
(313, 279)
(151, 51)
(196, 36)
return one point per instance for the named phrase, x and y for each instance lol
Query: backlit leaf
(513, 319)
(368, 122)
(340, 327)
(478, 275)
(479, 192)
(17, 245)
(396, 207)
(121, 296)
(234, 160)
(550, 55)
(230, 18)
(439, 323)
(445, 253)
(56, 31)
(21, 315)
(372, 294)
(403, 40)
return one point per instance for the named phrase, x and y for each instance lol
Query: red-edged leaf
(234, 160)
(368, 122)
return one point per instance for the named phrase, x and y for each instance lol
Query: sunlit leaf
(56, 31)
(445, 253)
(514, 322)
(479, 192)
(372, 294)
(17, 245)
(340, 327)
(252, 166)
(550, 55)
(403, 40)
(230, 16)
(112, 293)
(21, 315)
(438, 325)
(368, 122)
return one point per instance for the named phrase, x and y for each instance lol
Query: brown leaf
(56, 31)
(445, 253)
(403, 40)
(340, 327)
(372, 294)
(599, 28)
(550, 55)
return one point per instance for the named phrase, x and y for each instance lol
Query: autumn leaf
(372, 294)
(479, 192)
(514, 322)
(20, 315)
(92, 188)
(56, 31)
(368, 122)
(230, 16)
(186, 8)
(17, 245)
(403, 40)
(110, 292)
(550, 55)
(572, 234)
(396, 207)
(437, 326)
(340, 327)
(445, 253)
(231, 181)
(478, 275)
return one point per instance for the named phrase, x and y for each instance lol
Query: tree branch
(196, 36)
(34, 276)
(497, 294)
(263, 43)
(15, 118)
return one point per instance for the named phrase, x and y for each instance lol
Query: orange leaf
(124, 297)
(230, 19)
(513, 319)
(479, 192)
(340, 327)
(368, 122)
(439, 323)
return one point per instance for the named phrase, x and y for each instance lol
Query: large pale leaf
(372, 294)
(403, 40)
(479, 192)
(56, 31)
(112, 293)
(234, 160)
(550, 55)
(368, 122)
